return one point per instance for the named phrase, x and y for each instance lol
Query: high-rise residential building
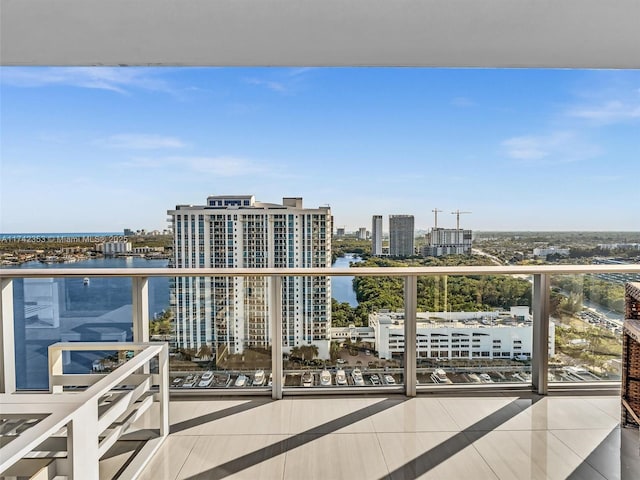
(362, 233)
(239, 232)
(340, 232)
(401, 235)
(376, 235)
(447, 241)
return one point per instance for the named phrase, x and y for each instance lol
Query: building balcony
(493, 417)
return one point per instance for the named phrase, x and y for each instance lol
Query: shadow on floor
(241, 463)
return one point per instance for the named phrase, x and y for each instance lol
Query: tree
(309, 352)
(205, 352)
(334, 351)
(163, 325)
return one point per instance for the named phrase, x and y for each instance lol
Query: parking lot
(306, 378)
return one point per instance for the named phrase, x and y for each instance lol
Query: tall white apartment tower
(401, 235)
(376, 235)
(238, 232)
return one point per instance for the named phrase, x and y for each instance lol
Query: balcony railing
(89, 419)
(537, 377)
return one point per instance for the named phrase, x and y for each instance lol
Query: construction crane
(436, 211)
(457, 213)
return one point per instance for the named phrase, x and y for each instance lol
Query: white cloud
(526, 148)
(295, 72)
(271, 85)
(115, 79)
(553, 148)
(141, 141)
(282, 81)
(613, 111)
(614, 99)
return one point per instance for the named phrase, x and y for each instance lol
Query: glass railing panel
(474, 330)
(218, 332)
(586, 313)
(311, 357)
(50, 310)
(353, 331)
(87, 309)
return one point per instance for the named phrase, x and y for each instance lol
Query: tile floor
(509, 436)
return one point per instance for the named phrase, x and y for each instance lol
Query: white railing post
(7, 340)
(275, 302)
(163, 371)
(82, 443)
(56, 367)
(410, 311)
(541, 311)
(140, 308)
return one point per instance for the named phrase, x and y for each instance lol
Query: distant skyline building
(362, 233)
(340, 232)
(447, 241)
(376, 235)
(401, 236)
(114, 248)
(233, 313)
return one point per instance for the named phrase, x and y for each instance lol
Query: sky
(103, 149)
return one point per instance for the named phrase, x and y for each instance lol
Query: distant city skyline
(104, 149)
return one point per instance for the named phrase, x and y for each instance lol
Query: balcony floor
(506, 436)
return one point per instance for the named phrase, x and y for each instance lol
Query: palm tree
(309, 352)
(205, 352)
(334, 351)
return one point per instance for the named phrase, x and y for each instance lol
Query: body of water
(46, 237)
(342, 287)
(106, 293)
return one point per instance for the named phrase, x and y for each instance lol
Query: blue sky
(102, 149)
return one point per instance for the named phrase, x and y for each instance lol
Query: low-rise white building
(451, 335)
(545, 252)
(148, 249)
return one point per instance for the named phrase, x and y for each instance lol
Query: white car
(206, 379)
(389, 379)
(325, 378)
(258, 378)
(190, 381)
(307, 379)
(357, 377)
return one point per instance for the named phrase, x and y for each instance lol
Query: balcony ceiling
(437, 33)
